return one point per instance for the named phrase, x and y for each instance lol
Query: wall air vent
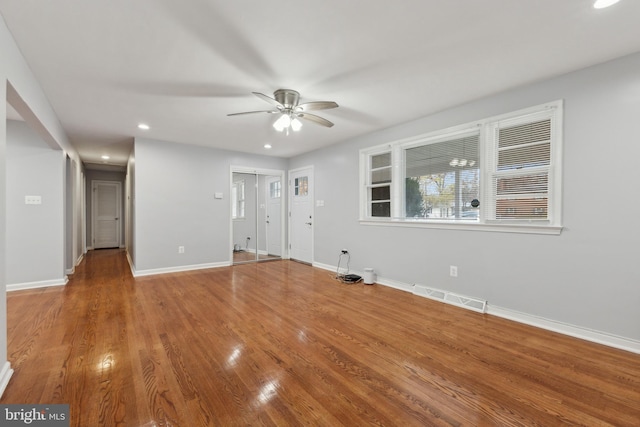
(469, 303)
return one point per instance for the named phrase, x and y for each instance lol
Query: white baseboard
(598, 337)
(177, 269)
(36, 285)
(5, 376)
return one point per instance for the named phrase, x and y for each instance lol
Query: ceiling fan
(286, 103)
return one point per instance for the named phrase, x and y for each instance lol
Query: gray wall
(175, 205)
(36, 234)
(130, 207)
(19, 87)
(96, 175)
(4, 363)
(587, 276)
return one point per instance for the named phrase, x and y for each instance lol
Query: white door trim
(290, 202)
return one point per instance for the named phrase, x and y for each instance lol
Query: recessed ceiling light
(267, 146)
(601, 4)
(143, 126)
(105, 157)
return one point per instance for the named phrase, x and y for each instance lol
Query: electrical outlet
(180, 249)
(453, 271)
(345, 251)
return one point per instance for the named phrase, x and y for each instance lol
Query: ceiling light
(601, 4)
(283, 122)
(267, 146)
(296, 124)
(105, 157)
(143, 126)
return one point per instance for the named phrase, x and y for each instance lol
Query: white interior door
(301, 215)
(274, 218)
(106, 214)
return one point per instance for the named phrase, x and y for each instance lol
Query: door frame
(257, 171)
(290, 204)
(94, 201)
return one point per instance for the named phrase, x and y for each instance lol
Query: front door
(106, 214)
(301, 214)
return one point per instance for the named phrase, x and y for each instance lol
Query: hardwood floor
(282, 343)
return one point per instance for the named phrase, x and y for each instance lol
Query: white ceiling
(182, 66)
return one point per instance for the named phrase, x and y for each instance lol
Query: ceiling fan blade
(252, 112)
(316, 119)
(269, 100)
(316, 105)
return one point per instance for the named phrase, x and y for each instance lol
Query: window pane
(381, 209)
(524, 157)
(442, 179)
(381, 176)
(274, 189)
(301, 186)
(533, 208)
(381, 193)
(381, 160)
(526, 184)
(524, 146)
(527, 133)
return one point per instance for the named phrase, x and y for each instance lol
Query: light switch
(217, 196)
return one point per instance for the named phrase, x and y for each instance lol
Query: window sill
(468, 226)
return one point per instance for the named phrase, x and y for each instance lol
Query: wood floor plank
(282, 343)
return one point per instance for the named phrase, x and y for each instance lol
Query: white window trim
(486, 126)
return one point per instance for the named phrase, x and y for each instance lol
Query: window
(275, 189)
(301, 186)
(379, 185)
(442, 178)
(237, 200)
(499, 174)
(520, 173)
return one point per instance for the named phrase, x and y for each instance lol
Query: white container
(369, 277)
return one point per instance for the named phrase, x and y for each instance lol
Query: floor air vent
(474, 304)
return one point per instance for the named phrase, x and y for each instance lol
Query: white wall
(586, 277)
(175, 205)
(35, 236)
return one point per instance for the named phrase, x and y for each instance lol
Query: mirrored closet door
(257, 216)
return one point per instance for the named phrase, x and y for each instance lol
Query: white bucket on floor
(369, 277)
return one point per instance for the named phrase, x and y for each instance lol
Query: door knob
(308, 223)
